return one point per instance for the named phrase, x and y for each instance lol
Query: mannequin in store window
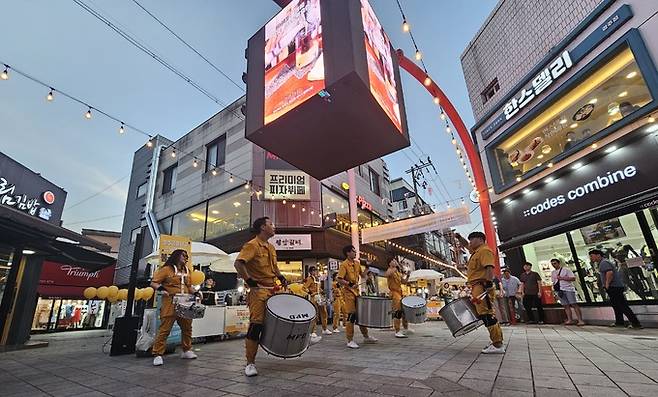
(633, 276)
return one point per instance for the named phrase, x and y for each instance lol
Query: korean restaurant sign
(362, 203)
(287, 185)
(28, 192)
(555, 68)
(291, 242)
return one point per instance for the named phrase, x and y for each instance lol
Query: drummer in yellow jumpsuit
(348, 275)
(312, 288)
(480, 274)
(257, 266)
(395, 280)
(338, 305)
(172, 278)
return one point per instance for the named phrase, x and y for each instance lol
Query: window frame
(169, 185)
(378, 190)
(137, 194)
(493, 87)
(133, 234)
(631, 40)
(216, 144)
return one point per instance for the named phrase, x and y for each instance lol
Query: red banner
(61, 274)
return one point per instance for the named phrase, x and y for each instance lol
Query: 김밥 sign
(31, 205)
(285, 184)
(294, 65)
(291, 242)
(380, 64)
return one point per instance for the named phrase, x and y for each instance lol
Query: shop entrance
(59, 314)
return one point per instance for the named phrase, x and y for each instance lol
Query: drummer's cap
(479, 235)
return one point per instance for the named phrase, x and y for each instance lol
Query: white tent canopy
(224, 264)
(454, 280)
(425, 274)
(202, 253)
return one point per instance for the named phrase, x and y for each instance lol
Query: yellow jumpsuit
(350, 271)
(312, 287)
(476, 267)
(394, 282)
(260, 260)
(339, 305)
(171, 281)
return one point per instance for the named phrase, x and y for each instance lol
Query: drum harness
(255, 330)
(488, 319)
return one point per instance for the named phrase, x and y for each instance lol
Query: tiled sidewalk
(540, 360)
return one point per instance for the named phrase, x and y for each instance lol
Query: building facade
(567, 140)
(212, 183)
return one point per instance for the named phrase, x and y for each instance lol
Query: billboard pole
(354, 220)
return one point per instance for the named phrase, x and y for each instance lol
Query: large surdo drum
(287, 325)
(415, 309)
(373, 311)
(460, 316)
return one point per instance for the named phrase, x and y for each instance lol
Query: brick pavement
(540, 360)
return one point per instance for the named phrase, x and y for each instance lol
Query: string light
(5, 73)
(173, 153)
(405, 26)
(419, 56)
(149, 143)
(293, 205)
(284, 202)
(246, 185)
(50, 96)
(230, 179)
(88, 114)
(427, 81)
(122, 130)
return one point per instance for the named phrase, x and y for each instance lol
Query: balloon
(197, 277)
(138, 294)
(123, 294)
(147, 293)
(102, 292)
(89, 293)
(112, 291)
(112, 299)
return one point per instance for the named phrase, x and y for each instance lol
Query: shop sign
(168, 244)
(287, 185)
(333, 264)
(361, 202)
(615, 178)
(555, 68)
(291, 242)
(53, 273)
(22, 202)
(417, 225)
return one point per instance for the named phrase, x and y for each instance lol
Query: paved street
(540, 360)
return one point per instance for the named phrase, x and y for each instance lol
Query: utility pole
(417, 173)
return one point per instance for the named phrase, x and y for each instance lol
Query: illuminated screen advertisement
(294, 66)
(380, 65)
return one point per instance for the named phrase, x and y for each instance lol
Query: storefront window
(190, 223)
(165, 225)
(540, 254)
(364, 218)
(333, 203)
(610, 92)
(622, 241)
(73, 314)
(228, 213)
(292, 270)
(6, 254)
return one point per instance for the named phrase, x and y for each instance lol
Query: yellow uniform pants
(339, 308)
(485, 307)
(396, 298)
(322, 312)
(350, 309)
(166, 323)
(256, 300)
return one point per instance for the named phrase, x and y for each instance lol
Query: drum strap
(398, 314)
(351, 317)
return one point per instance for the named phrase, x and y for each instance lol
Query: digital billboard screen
(380, 65)
(294, 61)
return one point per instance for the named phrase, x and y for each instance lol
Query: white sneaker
(336, 331)
(157, 361)
(250, 370)
(189, 355)
(370, 339)
(326, 332)
(409, 331)
(400, 334)
(352, 345)
(315, 339)
(491, 349)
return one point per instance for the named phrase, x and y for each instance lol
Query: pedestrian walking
(510, 286)
(614, 286)
(562, 279)
(531, 288)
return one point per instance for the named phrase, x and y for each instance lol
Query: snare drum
(460, 316)
(374, 311)
(415, 309)
(287, 325)
(186, 306)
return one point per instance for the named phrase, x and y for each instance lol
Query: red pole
(471, 152)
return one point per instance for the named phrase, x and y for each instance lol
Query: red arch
(471, 152)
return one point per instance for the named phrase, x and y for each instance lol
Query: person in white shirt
(562, 279)
(510, 288)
